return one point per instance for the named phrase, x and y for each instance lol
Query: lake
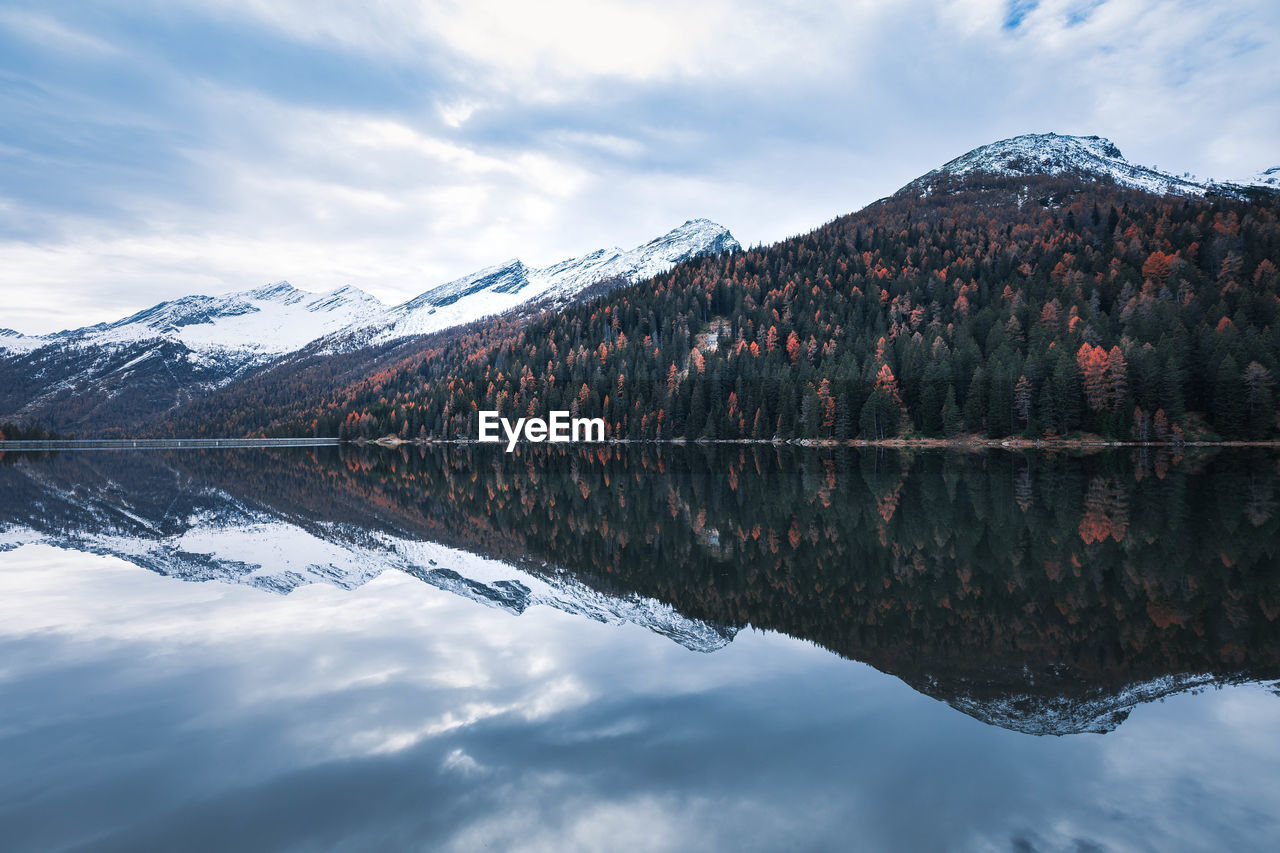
(636, 648)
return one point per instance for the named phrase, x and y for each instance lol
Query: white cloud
(487, 130)
(47, 31)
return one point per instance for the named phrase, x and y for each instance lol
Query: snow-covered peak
(694, 234)
(284, 293)
(264, 321)
(1091, 158)
(500, 288)
(692, 239)
(342, 299)
(695, 237)
(278, 291)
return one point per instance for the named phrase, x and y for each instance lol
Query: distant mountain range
(269, 353)
(499, 289)
(238, 328)
(165, 356)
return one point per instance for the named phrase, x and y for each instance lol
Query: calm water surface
(639, 649)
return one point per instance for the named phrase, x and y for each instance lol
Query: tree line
(1033, 307)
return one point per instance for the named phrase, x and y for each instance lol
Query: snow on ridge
(495, 583)
(1092, 157)
(15, 342)
(251, 326)
(502, 287)
(1269, 178)
(284, 319)
(510, 276)
(260, 322)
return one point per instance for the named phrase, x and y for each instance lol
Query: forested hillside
(1000, 306)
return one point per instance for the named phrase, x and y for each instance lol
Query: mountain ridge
(508, 285)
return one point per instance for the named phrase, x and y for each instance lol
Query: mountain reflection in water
(1047, 594)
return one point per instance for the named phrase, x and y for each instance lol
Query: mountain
(1038, 287)
(120, 375)
(124, 371)
(240, 328)
(1083, 158)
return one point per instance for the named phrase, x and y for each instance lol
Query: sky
(150, 150)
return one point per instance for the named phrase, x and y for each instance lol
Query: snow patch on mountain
(1268, 178)
(16, 342)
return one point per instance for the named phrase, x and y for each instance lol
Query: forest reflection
(1041, 592)
(1011, 584)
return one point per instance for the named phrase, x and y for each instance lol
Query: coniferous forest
(996, 306)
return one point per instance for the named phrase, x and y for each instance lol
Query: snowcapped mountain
(119, 374)
(264, 321)
(500, 288)
(1090, 158)
(279, 318)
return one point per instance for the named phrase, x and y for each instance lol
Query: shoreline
(897, 443)
(967, 443)
(162, 443)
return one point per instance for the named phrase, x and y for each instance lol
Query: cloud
(210, 147)
(396, 712)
